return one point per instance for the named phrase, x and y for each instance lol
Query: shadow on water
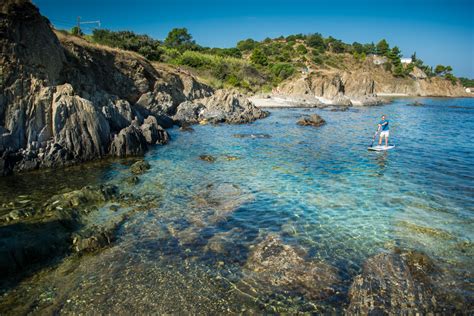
(381, 159)
(26, 248)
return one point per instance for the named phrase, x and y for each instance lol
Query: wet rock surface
(312, 120)
(140, 167)
(207, 158)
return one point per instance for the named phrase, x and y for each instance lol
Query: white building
(406, 60)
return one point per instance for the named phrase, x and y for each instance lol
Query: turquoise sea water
(319, 189)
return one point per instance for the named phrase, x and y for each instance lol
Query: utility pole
(79, 24)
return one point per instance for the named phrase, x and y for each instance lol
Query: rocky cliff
(360, 82)
(64, 100)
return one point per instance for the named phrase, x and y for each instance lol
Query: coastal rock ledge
(64, 100)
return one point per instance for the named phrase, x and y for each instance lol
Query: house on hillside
(470, 90)
(406, 60)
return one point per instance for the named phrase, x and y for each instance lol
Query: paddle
(373, 140)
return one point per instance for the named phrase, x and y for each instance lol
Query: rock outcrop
(64, 100)
(361, 83)
(223, 106)
(312, 120)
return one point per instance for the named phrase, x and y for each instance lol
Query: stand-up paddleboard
(381, 148)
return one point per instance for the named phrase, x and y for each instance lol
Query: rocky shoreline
(66, 101)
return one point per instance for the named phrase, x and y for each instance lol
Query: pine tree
(382, 48)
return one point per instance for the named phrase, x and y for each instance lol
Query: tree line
(266, 62)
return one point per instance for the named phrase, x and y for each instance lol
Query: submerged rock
(231, 158)
(395, 284)
(207, 158)
(140, 167)
(415, 103)
(312, 120)
(275, 264)
(132, 180)
(223, 198)
(61, 226)
(256, 135)
(186, 128)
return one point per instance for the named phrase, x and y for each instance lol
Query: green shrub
(76, 31)
(301, 49)
(233, 81)
(282, 70)
(258, 57)
(247, 45)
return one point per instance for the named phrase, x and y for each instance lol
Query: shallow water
(318, 188)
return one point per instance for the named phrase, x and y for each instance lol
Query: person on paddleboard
(384, 130)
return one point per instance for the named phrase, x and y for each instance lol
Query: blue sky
(440, 31)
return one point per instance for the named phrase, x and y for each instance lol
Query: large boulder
(129, 142)
(188, 113)
(154, 133)
(222, 107)
(312, 120)
(78, 125)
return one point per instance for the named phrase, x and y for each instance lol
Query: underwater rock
(207, 158)
(61, 225)
(140, 167)
(257, 135)
(275, 264)
(223, 198)
(224, 243)
(395, 284)
(133, 180)
(186, 128)
(429, 231)
(312, 120)
(83, 197)
(416, 103)
(231, 158)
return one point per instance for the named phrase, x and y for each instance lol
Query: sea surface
(318, 189)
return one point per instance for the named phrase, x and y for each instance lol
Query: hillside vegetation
(261, 65)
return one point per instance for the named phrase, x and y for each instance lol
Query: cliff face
(357, 81)
(64, 100)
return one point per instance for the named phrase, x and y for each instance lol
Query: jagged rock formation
(362, 82)
(64, 100)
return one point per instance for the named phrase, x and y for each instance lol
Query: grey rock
(154, 133)
(207, 158)
(129, 142)
(68, 101)
(312, 120)
(140, 167)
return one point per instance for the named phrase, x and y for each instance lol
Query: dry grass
(76, 40)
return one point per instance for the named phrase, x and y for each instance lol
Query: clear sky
(440, 31)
